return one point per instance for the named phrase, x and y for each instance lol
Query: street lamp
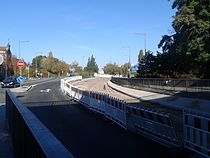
(20, 56)
(129, 60)
(145, 42)
(19, 46)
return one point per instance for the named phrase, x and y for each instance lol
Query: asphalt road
(27, 83)
(84, 133)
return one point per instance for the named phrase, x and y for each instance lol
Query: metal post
(20, 56)
(145, 41)
(129, 60)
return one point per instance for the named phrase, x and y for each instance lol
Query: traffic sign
(20, 63)
(134, 68)
(20, 79)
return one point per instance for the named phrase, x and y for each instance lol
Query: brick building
(6, 66)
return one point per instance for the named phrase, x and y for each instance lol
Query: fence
(112, 108)
(165, 84)
(157, 126)
(197, 132)
(30, 138)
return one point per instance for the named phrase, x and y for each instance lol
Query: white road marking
(45, 90)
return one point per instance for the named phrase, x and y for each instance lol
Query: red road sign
(20, 63)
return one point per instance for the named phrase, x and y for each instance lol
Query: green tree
(188, 49)
(75, 67)
(112, 69)
(91, 67)
(54, 65)
(141, 56)
(36, 61)
(124, 69)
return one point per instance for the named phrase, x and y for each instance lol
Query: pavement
(171, 101)
(5, 139)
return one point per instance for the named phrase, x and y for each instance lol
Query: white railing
(112, 108)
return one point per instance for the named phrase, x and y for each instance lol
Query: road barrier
(112, 108)
(173, 129)
(197, 132)
(155, 126)
(30, 138)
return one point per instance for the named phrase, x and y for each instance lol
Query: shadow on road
(89, 135)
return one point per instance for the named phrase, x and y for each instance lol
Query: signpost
(20, 64)
(20, 80)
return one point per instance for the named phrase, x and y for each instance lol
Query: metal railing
(170, 85)
(30, 138)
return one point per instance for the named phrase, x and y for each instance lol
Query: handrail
(30, 137)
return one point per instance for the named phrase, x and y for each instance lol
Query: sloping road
(84, 133)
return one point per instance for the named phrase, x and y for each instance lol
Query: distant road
(97, 85)
(84, 133)
(27, 83)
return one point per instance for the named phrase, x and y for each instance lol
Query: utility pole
(129, 61)
(145, 40)
(20, 69)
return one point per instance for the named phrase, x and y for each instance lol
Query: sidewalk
(166, 100)
(5, 140)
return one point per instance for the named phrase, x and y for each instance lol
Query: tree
(14, 62)
(75, 67)
(36, 61)
(112, 69)
(53, 65)
(188, 49)
(124, 68)
(140, 56)
(91, 67)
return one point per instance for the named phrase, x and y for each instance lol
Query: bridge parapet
(30, 138)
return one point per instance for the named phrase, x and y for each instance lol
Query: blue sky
(75, 29)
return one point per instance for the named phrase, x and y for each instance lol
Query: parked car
(10, 82)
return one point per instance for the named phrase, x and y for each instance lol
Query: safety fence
(112, 108)
(197, 132)
(30, 138)
(157, 125)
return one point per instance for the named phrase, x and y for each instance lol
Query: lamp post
(82, 62)
(145, 42)
(20, 56)
(129, 60)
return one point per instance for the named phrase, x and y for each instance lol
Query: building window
(197, 122)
